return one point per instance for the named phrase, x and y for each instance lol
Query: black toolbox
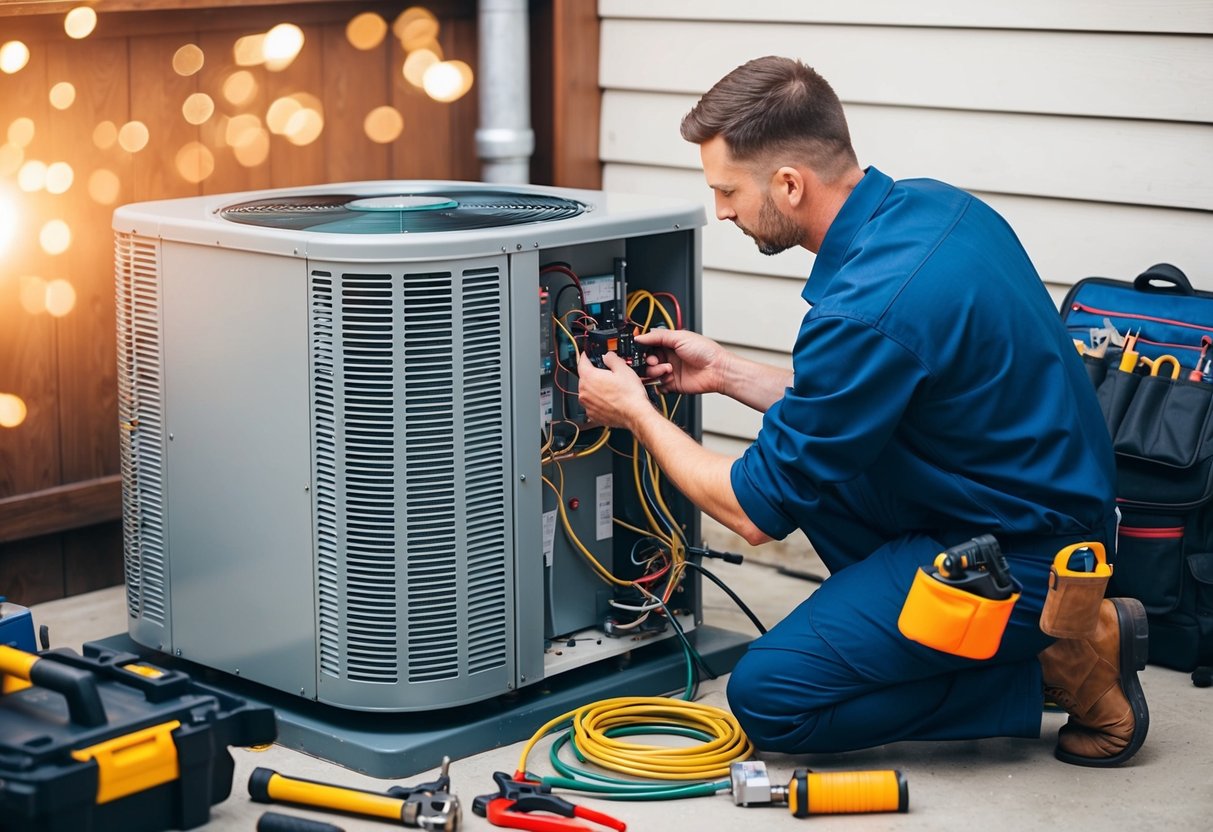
(109, 741)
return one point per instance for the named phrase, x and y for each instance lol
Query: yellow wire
(602, 571)
(706, 761)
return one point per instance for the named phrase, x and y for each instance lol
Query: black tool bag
(1162, 432)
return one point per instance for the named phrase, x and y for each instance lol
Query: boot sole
(1134, 651)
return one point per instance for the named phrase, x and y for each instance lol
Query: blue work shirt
(933, 377)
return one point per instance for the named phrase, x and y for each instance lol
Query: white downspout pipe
(504, 140)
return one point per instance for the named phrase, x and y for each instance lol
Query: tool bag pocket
(1162, 433)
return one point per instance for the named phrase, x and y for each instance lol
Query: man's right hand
(683, 361)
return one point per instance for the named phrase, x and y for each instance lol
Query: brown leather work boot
(1095, 679)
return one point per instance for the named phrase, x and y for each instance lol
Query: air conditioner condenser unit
(354, 466)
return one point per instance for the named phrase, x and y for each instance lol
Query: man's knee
(770, 715)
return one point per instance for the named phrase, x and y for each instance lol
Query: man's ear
(788, 186)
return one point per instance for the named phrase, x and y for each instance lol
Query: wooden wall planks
(64, 368)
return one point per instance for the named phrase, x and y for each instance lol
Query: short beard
(776, 233)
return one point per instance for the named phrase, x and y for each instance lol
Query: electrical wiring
(728, 591)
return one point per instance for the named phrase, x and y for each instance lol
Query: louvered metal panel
(141, 419)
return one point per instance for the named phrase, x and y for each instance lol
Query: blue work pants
(837, 674)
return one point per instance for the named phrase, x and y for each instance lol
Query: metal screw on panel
(522, 678)
(503, 248)
(518, 247)
(170, 437)
(237, 671)
(522, 477)
(177, 651)
(536, 245)
(301, 691)
(307, 487)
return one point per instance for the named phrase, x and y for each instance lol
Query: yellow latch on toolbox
(133, 762)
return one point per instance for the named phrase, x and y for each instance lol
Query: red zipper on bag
(1075, 306)
(1157, 533)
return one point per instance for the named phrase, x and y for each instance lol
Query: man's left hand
(612, 397)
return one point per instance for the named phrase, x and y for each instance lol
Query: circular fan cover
(449, 210)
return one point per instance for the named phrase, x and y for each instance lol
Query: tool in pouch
(962, 604)
(425, 806)
(821, 793)
(1077, 582)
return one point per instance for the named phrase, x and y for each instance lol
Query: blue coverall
(937, 396)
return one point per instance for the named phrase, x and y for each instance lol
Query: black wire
(736, 599)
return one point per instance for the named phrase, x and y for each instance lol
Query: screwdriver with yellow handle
(428, 806)
(821, 793)
(1129, 356)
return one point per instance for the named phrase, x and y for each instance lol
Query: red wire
(677, 307)
(565, 270)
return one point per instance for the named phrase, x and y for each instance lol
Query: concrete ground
(991, 785)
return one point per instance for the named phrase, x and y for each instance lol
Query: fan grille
(343, 213)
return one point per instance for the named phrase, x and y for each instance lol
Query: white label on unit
(549, 536)
(545, 408)
(605, 507)
(598, 289)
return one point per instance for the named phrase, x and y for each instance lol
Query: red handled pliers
(515, 799)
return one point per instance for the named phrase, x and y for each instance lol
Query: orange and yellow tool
(821, 793)
(1129, 355)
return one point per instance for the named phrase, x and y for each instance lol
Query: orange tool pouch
(954, 620)
(1071, 607)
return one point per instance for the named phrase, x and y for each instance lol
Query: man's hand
(684, 362)
(613, 397)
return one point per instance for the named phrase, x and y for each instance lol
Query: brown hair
(774, 105)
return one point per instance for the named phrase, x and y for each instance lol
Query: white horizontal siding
(1110, 160)
(1067, 239)
(1190, 16)
(1097, 74)
(1088, 124)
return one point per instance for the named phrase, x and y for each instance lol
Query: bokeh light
(447, 81)
(383, 124)
(21, 131)
(133, 136)
(11, 157)
(32, 176)
(59, 177)
(249, 50)
(105, 135)
(281, 46)
(366, 31)
(240, 87)
(188, 59)
(12, 410)
(14, 55)
(279, 113)
(63, 95)
(241, 129)
(55, 237)
(198, 108)
(31, 291)
(416, 64)
(80, 22)
(415, 27)
(195, 162)
(304, 127)
(254, 147)
(8, 221)
(60, 298)
(104, 186)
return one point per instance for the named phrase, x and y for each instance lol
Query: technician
(935, 396)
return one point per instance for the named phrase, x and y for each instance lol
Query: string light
(447, 81)
(198, 108)
(12, 410)
(105, 135)
(60, 298)
(63, 95)
(281, 45)
(133, 136)
(240, 87)
(32, 176)
(104, 186)
(366, 31)
(80, 22)
(21, 131)
(188, 59)
(55, 237)
(383, 124)
(14, 55)
(59, 177)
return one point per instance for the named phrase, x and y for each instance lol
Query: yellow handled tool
(821, 793)
(428, 806)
